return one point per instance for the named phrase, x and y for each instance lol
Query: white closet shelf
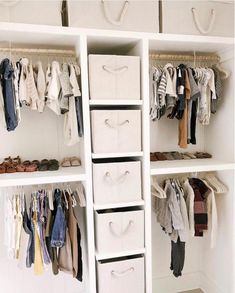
(70, 174)
(98, 207)
(116, 102)
(68, 36)
(119, 254)
(187, 166)
(116, 155)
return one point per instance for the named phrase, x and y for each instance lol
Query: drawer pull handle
(111, 227)
(123, 273)
(122, 13)
(198, 24)
(111, 125)
(115, 71)
(119, 180)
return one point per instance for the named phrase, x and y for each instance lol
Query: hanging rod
(186, 57)
(39, 51)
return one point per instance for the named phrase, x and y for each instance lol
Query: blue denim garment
(42, 225)
(6, 76)
(58, 230)
(78, 104)
(30, 247)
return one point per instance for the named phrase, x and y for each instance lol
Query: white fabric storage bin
(178, 17)
(125, 276)
(138, 16)
(116, 182)
(32, 12)
(114, 77)
(119, 231)
(116, 131)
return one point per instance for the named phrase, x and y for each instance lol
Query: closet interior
(203, 264)
(121, 240)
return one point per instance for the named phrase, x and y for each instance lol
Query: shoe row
(164, 156)
(12, 165)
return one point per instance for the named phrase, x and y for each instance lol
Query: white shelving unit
(189, 166)
(116, 102)
(118, 205)
(216, 139)
(32, 178)
(117, 255)
(116, 155)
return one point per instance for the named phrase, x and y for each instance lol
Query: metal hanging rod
(39, 51)
(186, 57)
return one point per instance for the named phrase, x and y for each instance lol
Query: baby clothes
(41, 86)
(2, 115)
(54, 88)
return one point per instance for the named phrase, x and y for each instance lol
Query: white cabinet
(124, 276)
(120, 15)
(116, 182)
(116, 131)
(215, 18)
(114, 77)
(119, 231)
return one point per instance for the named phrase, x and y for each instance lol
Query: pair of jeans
(58, 230)
(7, 76)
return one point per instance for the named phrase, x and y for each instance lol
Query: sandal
(66, 162)
(2, 168)
(75, 161)
(20, 168)
(177, 155)
(7, 161)
(16, 161)
(10, 168)
(168, 155)
(36, 162)
(31, 168)
(192, 156)
(43, 166)
(53, 165)
(160, 156)
(153, 157)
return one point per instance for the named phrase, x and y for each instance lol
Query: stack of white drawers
(117, 182)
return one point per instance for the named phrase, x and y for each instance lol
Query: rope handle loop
(119, 180)
(115, 71)
(107, 14)
(109, 123)
(123, 273)
(121, 233)
(198, 24)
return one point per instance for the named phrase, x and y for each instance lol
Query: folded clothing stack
(164, 156)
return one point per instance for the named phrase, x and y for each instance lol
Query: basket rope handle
(122, 14)
(198, 24)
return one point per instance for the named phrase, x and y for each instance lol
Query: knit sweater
(200, 205)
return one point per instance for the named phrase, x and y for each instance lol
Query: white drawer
(117, 182)
(32, 12)
(116, 131)
(126, 276)
(131, 11)
(119, 231)
(223, 19)
(114, 77)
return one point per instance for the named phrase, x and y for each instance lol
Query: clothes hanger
(224, 72)
(65, 199)
(217, 185)
(81, 195)
(156, 189)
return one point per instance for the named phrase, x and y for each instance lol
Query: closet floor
(193, 291)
